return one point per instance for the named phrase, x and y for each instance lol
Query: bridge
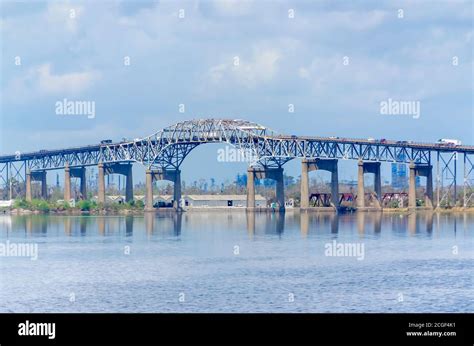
(163, 152)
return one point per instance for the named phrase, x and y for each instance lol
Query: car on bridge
(404, 142)
(106, 141)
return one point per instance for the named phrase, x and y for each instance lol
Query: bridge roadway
(163, 152)
(96, 148)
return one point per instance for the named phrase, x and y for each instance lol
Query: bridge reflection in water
(256, 224)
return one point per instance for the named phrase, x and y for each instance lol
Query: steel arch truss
(168, 147)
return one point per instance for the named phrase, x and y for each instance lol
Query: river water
(231, 261)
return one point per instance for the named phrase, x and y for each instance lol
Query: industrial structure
(163, 153)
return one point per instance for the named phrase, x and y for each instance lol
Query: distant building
(399, 174)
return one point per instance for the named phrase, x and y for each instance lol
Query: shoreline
(315, 210)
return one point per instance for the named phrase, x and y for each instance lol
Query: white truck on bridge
(449, 141)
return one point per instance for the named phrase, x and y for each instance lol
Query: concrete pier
(250, 189)
(67, 183)
(148, 190)
(173, 175)
(80, 172)
(115, 168)
(35, 176)
(360, 185)
(280, 189)
(422, 171)
(374, 168)
(304, 194)
(28, 186)
(308, 165)
(129, 184)
(101, 183)
(265, 173)
(44, 187)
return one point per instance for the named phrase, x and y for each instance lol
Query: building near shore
(220, 201)
(196, 201)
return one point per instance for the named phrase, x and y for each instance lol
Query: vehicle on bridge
(450, 142)
(106, 141)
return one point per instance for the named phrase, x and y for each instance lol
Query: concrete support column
(360, 185)
(319, 164)
(83, 183)
(335, 187)
(377, 184)
(101, 183)
(177, 190)
(28, 186)
(250, 188)
(304, 203)
(280, 189)
(67, 183)
(129, 185)
(44, 187)
(412, 187)
(422, 170)
(149, 190)
(429, 188)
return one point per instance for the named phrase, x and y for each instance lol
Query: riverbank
(83, 207)
(141, 211)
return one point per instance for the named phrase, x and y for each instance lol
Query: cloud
(419, 70)
(40, 81)
(233, 7)
(262, 68)
(353, 20)
(65, 14)
(282, 60)
(74, 82)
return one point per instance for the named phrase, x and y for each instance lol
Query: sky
(317, 68)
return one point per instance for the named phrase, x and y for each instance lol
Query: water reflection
(163, 224)
(307, 223)
(319, 222)
(129, 226)
(268, 223)
(36, 226)
(369, 222)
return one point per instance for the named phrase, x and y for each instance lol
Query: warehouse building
(220, 201)
(196, 201)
